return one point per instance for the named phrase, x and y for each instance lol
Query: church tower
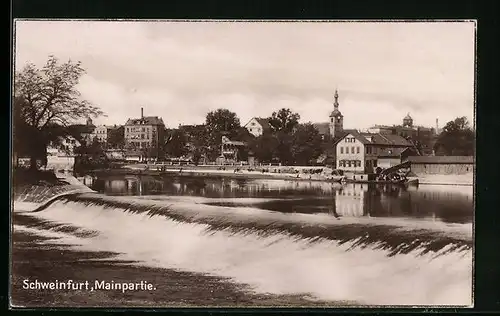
(408, 121)
(336, 118)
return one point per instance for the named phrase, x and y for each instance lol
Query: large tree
(306, 144)
(116, 138)
(222, 120)
(176, 145)
(284, 120)
(46, 97)
(265, 147)
(456, 139)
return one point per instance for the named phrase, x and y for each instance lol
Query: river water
(373, 245)
(452, 204)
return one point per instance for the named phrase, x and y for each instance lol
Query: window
(251, 130)
(128, 130)
(143, 129)
(359, 163)
(352, 150)
(338, 120)
(142, 136)
(375, 163)
(357, 150)
(253, 124)
(349, 163)
(331, 120)
(341, 150)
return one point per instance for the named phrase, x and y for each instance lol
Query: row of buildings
(136, 138)
(349, 149)
(363, 151)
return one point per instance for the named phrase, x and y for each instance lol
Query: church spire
(336, 102)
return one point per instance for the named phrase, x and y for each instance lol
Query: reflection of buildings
(132, 185)
(350, 200)
(445, 204)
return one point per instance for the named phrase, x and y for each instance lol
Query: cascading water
(371, 261)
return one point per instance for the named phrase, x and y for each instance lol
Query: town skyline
(382, 70)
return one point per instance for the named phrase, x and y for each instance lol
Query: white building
(64, 148)
(364, 152)
(257, 126)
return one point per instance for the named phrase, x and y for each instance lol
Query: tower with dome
(408, 121)
(336, 124)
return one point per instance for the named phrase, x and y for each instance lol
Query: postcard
(208, 163)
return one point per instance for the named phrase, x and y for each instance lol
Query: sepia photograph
(215, 164)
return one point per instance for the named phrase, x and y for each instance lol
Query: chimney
(437, 125)
(142, 112)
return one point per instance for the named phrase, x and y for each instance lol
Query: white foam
(278, 264)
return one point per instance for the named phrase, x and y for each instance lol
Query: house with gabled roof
(258, 126)
(364, 152)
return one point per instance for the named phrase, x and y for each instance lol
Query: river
(357, 243)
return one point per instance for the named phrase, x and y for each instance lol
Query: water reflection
(445, 203)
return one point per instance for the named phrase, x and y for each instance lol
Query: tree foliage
(284, 120)
(300, 147)
(176, 145)
(456, 139)
(264, 147)
(50, 94)
(222, 120)
(90, 156)
(116, 138)
(306, 144)
(44, 98)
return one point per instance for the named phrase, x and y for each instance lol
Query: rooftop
(379, 139)
(391, 152)
(146, 120)
(264, 122)
(323, 128)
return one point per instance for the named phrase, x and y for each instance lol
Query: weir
(347, 259)
(393, 235)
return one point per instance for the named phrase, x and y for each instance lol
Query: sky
(181, 70)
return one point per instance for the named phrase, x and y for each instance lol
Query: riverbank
(276, 173)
